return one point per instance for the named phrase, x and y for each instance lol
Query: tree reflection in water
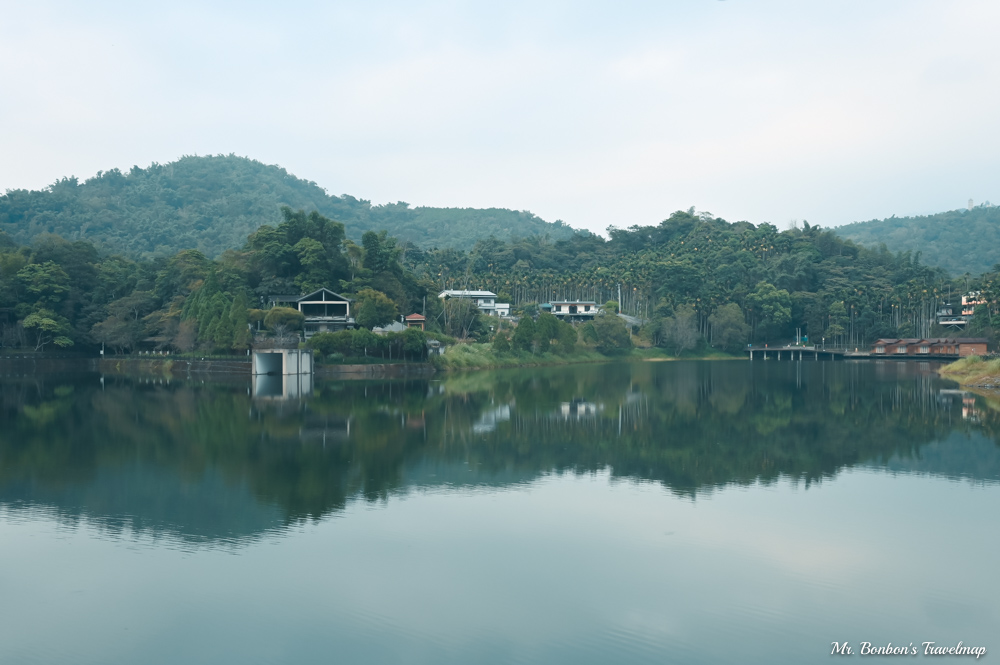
(207, 462)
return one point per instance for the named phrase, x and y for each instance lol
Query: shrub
(284, 316)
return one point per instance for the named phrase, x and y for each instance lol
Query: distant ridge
(213, 203)
(960, 241)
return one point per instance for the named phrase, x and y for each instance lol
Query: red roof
(416, 317)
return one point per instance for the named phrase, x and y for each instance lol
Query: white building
(486, 301)
(574, 310)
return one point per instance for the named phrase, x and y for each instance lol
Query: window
(924, 349)
(900, 349)
(879, 349)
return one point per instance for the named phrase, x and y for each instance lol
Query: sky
(594, 113)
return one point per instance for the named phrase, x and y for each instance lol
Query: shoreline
(179, 367)
(973, 372)
(480, 357)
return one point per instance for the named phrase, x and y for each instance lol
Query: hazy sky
(595, 113)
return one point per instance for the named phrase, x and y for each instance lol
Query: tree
(981, 324)
(284, 316)
(220, 330)
(462, 318)
(546, 329)
(124, 325)
(327, 342)
(315, 269)
(120, 334)
(501, 343)
(240, 323)
(48, 328)
(186, 336)
(612, 335)
(524, 334)
(729, 329)
(680, 331)
(381, 252)
(376, 309)
(772, 307)
(567, 338)
(47, 283)
(134, 306)
(838, 322)
(12, 335)
(364, 340)
(256, 317)
(415, 343)
(181, 274)
(355, 256)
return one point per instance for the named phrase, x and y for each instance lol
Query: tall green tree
(612, 335)
(47, 327)
(524, 335)
(45, 283)
(729, 329)
(838, 322)
(771, 307)
(546, 330)
(239, 321)
(374, 309)
(680, 331)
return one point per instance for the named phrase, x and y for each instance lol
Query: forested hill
(960, 241)
(213, 203)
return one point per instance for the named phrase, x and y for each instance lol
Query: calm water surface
(685, 512)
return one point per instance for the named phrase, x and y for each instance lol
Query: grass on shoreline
(482, 356)
(973, 370)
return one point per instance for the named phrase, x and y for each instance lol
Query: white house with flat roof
(486, 301)
(574, 310)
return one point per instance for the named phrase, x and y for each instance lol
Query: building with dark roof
(324, 310)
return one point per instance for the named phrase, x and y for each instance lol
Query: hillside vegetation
(960, 241)
(213, 203)
(691, 282)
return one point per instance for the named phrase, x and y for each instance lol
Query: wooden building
(931, 347)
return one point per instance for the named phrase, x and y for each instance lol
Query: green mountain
(960, 241)
(213, 203)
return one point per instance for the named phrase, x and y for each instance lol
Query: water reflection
(282, 387)
(230, 461)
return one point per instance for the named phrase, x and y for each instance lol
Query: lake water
(688, 512)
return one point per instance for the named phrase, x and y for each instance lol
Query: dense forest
(213, 203)
(962, 242)
(692, 281)
(696, 278)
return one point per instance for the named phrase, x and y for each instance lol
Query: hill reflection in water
(207, 463)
